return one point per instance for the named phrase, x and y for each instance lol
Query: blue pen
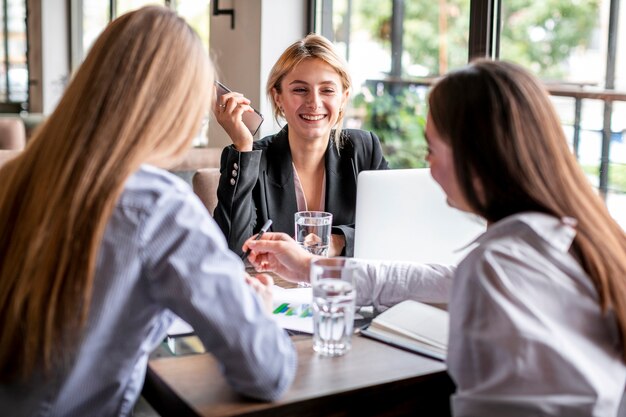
(264, 229)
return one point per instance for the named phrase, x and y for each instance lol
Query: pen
(264, 229)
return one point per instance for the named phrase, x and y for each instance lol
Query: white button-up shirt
(527, 334)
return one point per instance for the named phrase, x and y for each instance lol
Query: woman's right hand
(279, 253)
(228, 111)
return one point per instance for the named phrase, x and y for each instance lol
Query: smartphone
(252, 120)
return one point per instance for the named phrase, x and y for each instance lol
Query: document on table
(414, 326)
(291, 310)
(179, 328)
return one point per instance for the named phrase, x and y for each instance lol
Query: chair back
(7, 155)
(12, 133)
(204, 182)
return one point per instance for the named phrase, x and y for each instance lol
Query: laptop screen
(402, 214)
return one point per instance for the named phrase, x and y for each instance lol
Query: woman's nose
(313, 100)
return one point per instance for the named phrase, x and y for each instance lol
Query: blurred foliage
(617, 175)
(399, 121)
(421, 31)
(539, 35)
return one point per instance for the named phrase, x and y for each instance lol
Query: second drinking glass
(313, 231)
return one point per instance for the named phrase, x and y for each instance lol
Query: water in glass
(333, 316)
(313, 234)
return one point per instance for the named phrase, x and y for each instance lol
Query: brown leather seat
(12, 133)
(205, 181)
(7, 155)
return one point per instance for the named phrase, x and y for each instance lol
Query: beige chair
(6, 155)
(205, 181)
(195, 159)
(198, 158)
(12, 133)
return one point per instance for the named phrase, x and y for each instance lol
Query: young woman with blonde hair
(538, 308)
(311, 164)
(99, 246)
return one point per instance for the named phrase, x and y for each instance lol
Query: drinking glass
(313, 231)
(333, 303)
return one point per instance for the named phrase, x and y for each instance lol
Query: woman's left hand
(337, 243)
(262, 285)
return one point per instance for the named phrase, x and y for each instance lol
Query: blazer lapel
(279, 186)
(340, 182)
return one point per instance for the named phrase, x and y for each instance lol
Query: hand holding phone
(252, 119)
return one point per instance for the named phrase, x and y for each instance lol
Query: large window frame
(484, 41)
(78, 52)
(9, 103)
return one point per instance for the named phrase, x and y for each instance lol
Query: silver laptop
(402, 214)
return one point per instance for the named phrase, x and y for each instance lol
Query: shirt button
(234, 173)
(235, 165)
(232, 181)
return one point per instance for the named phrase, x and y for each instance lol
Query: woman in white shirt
(538, 308)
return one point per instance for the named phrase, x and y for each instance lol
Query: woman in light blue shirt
(538, 307)
(99, 246)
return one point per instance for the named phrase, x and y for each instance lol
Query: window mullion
(483, 16)
(5, 33)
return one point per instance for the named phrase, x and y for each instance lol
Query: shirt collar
(557, 232)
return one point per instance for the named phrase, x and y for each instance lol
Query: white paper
(297, 313)
(179, 327)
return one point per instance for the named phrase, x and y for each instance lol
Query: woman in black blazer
(311, 164)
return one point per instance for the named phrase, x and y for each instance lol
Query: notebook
(402, 215)
(413, 326)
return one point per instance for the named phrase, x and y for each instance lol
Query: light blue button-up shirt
(161, 253)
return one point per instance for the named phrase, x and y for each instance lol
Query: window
(91, 17)
(393, 49)
(572, 46)
(13, 67)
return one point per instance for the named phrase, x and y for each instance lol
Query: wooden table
(372, 379)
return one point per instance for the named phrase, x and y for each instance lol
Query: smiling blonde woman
(312, 164)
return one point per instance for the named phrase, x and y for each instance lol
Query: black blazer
(258, 185)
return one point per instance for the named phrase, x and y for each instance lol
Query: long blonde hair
(503, 130)
(139, 97)
(311, 47)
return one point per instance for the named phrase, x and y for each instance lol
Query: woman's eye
(328, 91)
(299, 90)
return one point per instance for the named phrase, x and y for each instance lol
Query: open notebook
(413, 326)
(402, 214)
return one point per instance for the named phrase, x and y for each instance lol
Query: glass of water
(313, 231)
(334, 297)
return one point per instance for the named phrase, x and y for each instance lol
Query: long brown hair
(139, 97)
(310, 47)
(504, 131)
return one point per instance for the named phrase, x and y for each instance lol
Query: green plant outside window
(399, 121)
